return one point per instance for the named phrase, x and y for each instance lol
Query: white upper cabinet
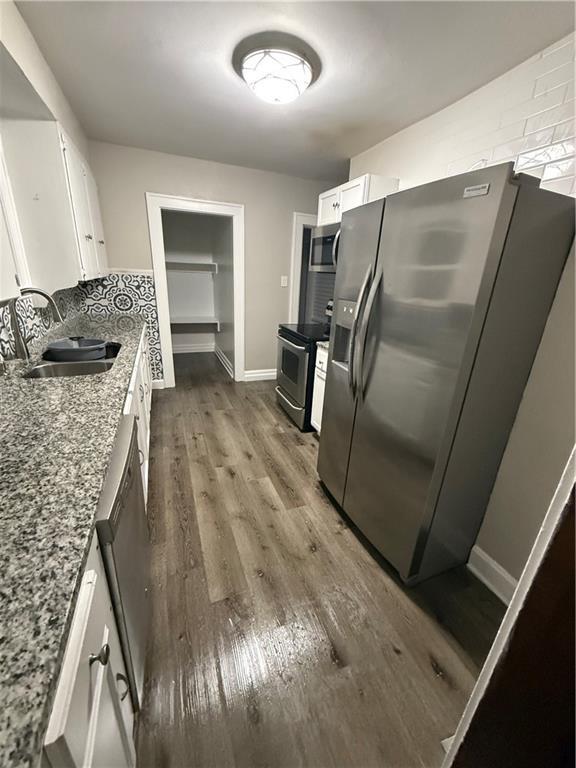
(50, 204)
(86, 210)
(38, 183)
(328, 206)
(353, 193)
(13, 267)
(97, 226)
(334, 202)
(9, 276)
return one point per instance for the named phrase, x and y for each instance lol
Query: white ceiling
(158, 75)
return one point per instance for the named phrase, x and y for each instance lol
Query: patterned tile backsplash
(115, 293)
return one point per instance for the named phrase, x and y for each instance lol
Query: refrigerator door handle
(360, 386)
(353, 331)
(335, 249)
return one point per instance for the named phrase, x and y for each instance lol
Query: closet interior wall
(200, 276)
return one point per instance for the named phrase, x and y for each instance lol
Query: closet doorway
(198, 260)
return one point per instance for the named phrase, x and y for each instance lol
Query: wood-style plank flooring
(278, 639)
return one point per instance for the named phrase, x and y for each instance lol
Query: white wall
(18, 41)
(125, 174)
(540, 442)
(188, 236)
(526, 115)
(224, 288)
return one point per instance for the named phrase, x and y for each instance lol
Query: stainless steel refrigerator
(442, 293)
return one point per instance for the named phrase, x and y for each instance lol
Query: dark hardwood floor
(277, 638)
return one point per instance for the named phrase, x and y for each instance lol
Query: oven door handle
(285, 341)
(291, 404)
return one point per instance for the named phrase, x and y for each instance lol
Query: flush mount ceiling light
(276, 66)
(275, 75)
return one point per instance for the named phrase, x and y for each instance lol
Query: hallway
(277, 638)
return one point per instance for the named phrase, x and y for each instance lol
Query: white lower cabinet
(319, 386)
(91, 723)
(138, 403)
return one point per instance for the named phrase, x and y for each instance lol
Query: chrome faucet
(20, 340)
(56, 316)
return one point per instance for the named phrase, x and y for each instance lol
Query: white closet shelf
(192, 266)
(196, 320)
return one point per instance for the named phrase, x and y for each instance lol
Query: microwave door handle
(360, 384)
(353, 332)
(335, 249)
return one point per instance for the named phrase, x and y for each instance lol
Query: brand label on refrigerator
(476, 191)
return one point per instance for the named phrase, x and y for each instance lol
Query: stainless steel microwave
(324, 248)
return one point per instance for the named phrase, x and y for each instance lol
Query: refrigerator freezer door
(438, 256)
(360, 234)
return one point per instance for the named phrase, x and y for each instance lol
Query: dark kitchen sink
(57, 370)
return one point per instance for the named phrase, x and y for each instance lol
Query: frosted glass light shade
(276, 76)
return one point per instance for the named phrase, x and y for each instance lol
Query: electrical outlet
(284, 281)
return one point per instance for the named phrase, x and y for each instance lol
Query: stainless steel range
(296, 360)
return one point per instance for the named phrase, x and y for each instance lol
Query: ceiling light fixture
(276, 66)
(276, 76)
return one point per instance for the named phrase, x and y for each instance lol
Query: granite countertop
(56, 436)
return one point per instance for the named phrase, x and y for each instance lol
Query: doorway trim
(155, 204)
(299, 221)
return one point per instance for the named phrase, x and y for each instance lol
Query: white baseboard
(263, 374)
(226, 364)
(492, 574)
(157, 383)
(181, 349)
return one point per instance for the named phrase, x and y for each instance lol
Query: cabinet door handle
(102, 656)
(120, 678)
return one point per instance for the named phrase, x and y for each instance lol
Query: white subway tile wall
(526, 115)
(532, 122)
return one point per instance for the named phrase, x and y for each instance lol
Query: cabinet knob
(102, 656)
(141, 388)
(101, 242)
(88, 237)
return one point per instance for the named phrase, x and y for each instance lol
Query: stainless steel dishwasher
(123, 535)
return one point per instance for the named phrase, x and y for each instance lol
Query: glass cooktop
(308, 331)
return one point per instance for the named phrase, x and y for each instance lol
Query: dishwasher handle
(119, 478)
